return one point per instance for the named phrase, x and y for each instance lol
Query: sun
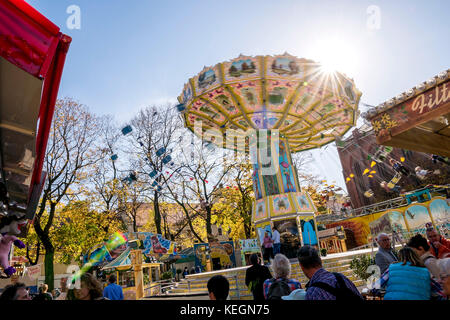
(335, 54)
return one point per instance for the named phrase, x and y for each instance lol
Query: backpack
(341, 292)
(277, 289)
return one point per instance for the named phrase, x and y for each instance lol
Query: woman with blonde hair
(409, 279)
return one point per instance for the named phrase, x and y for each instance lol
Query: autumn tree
(131, 198)
(155, 128)
(174, 224)
(71, 151)
(234, 208)
(105, 188)
(79, 228)
(197, 185)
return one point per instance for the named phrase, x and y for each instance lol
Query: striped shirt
(322, 275)
(292, 283)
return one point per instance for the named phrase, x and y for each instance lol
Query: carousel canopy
(308, 106)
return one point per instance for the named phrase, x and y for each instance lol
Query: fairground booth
(247, 248)
(332, 240)
(214, 255)
(417, 119)
(137, 261)
(32, 56)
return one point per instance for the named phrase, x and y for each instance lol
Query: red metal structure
(32, 56)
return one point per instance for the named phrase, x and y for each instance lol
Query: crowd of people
(90, 288)
(322, 284)
(418, 271)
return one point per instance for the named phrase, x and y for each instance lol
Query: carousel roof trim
(406, 95)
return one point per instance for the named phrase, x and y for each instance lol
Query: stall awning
(417, 119)
(124, 261)
(121, 261)
(32, 56)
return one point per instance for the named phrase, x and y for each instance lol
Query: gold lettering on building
(433, 100)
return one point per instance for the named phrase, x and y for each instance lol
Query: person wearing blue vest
(409, 279)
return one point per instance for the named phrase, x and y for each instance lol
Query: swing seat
(394, 181)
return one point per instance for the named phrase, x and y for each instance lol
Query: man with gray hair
(385, 255)
(280, 285)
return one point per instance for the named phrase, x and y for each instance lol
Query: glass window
(146, 274)
(357, 169)
(126, 278)
(155, 273)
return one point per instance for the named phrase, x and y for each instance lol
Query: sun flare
(335, 55)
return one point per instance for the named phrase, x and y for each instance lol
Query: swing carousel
(272, 106)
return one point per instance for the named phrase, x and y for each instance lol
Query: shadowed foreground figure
(113, 291)
(218, 288)
(255, 277)
(16, 291)
(420, 245)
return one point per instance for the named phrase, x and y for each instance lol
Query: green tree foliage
(234, 208)
(360, 264)
(79, 228)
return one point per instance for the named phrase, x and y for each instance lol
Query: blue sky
(130, 54)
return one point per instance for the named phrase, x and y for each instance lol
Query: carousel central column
(279, 200)
(274, 172)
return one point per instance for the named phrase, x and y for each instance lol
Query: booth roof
(187, 252)
(415, 91)
(33, 44)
